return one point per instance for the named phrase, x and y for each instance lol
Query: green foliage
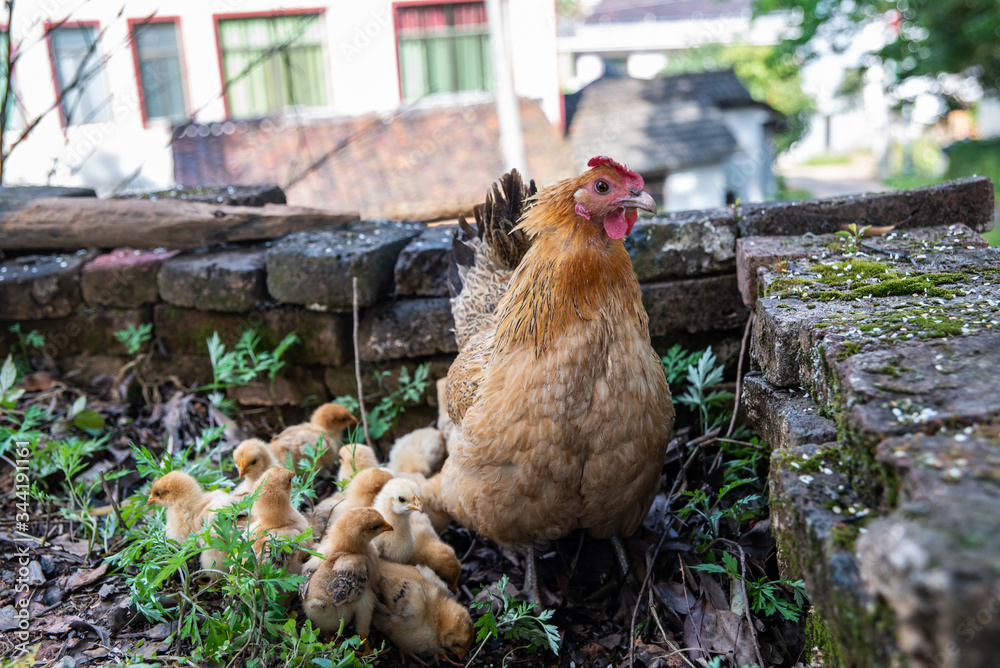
(854, 233)
(784, 193)
(676, 362)
(933, 36)
(969, 158)
(134, 337)
(771, 79)
(243, 364)
(766, 596)
(409, 390)
(32, 340)
(515, 622)
(238, 615)
(702, 377)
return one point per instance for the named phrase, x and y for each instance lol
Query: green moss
(844, 535)
(848, 349)
(888, 370)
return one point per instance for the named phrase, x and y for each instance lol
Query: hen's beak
(639, 200)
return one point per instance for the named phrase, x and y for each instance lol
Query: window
(78, 75)
(443, 49)
(158, 61)
(272, 64)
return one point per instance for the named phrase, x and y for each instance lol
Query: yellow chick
(340, 586)
(252, 458)
(273, 515)
(420, 451)
(416, 613)
(430, 550)
(188, 506)
(359, 493)
(397, 501)
(325, 427)
(355, 457)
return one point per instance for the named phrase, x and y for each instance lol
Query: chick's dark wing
(349, 581)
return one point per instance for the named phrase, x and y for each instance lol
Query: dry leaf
(84, 578)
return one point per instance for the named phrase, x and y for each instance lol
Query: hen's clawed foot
(621, 555)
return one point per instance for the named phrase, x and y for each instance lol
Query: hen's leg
(621, 555)
(532, 584)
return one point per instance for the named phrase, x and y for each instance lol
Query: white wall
(361, 69)
(695, 188)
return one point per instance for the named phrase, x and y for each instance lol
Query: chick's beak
(639, 200)
(239, 466)
(151, 500)
(416, 505)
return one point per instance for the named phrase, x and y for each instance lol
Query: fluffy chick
(429, 550)
(252, 458)
(273, 515)
(325, 426)
(188, 506)
(341, 585)
(397, 501)
(417, 615)
(420, 451)
(359, 493)
(355, 457)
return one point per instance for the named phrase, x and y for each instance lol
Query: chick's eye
(602, 186)
(402, 500)
(157, 493)
(253, 462)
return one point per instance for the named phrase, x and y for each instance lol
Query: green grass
(993, 236)
(827, 159)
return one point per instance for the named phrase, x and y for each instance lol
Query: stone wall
(301, 282)
(875, 383)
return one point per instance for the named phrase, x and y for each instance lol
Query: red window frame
(153, 18)
(395, 28)
(50, 27)
(274, 13)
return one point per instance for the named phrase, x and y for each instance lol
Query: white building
(152, 65)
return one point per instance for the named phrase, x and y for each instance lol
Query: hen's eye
(602, 186)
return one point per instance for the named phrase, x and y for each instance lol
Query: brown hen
(560, 405)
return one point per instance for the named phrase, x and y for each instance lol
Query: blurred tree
(931, 37)
(770, 77)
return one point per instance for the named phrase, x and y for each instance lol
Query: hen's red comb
(598, 160)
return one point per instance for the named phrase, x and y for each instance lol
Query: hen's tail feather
(483, 258)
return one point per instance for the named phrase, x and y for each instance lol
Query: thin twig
(739, 374)
(701, 440)
(111, 499)
(357, 367)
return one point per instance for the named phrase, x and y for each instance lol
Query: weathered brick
(683, 244)
(694, 305)
(323, 336)
(752, 253)
(784, 418)
(292, 386)
(968, 201)
(123, 278)
(40, 286)
(407, 328)
(231, 281)
(422, 267)
(84, 332)
(316, 268)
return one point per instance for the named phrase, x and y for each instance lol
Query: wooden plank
(66, 224)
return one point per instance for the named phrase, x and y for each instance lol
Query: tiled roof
(666, 123)
(665, 10)
(424, 164)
